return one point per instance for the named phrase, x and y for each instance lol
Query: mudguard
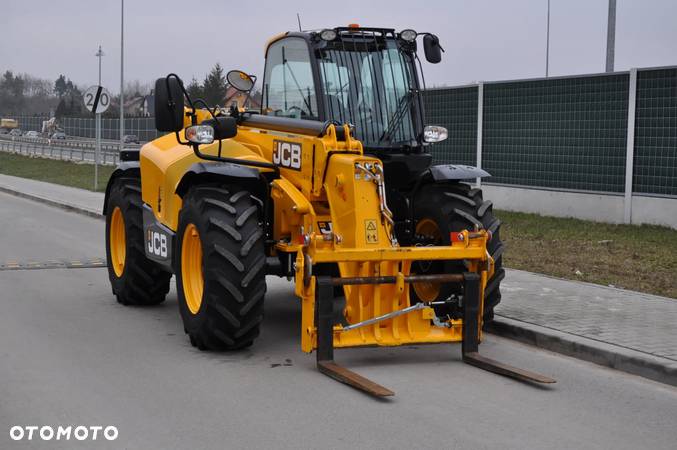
(125, 168)
(450, 172)
(208, 171)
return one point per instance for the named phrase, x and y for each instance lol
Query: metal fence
(82, 151)
(568, 133)
(143, 127)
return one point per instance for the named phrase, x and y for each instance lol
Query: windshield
(369, 84)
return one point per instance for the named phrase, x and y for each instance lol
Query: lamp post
(97, 147)
(547, 42)
(122, 72)
(611, 36)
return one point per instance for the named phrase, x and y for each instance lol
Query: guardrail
(62, 149)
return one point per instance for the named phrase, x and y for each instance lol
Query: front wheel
(439, 210)
(220, 267)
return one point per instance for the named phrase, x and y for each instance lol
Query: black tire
(233, 267)
(456, 207)
(142, 281)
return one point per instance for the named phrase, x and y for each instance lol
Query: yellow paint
(117, 241)
(192, 279)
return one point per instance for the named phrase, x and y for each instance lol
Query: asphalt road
(71, 355)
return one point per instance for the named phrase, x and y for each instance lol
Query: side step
(325, 337)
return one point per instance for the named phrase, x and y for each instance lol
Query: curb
(620, 358)
(58, 204)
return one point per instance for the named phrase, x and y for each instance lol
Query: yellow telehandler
(331, 184)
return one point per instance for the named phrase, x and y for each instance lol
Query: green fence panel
(455, 109)
(655, 166)
(566, 133)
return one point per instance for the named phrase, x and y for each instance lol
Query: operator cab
(365, 77)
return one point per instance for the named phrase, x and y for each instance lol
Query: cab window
(288, 88)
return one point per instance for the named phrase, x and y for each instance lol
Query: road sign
(97, 99)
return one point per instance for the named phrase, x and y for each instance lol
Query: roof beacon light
(328, 35)
(408, 35)
(353, 25)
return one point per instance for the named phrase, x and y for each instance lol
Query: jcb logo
(157, 244)
(287, 154)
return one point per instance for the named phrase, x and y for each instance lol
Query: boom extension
(469, 347)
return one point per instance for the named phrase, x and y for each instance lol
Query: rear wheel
(135, 279)
(441, 209)
(220, 275)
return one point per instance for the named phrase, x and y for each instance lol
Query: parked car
(32, 134)
(59, 135)
(4, 131)
(15, 132)
(130, 139)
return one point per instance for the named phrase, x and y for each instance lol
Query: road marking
(54, 264)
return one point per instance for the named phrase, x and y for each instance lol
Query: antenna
(298, 17)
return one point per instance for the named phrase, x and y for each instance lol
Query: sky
(484, 40)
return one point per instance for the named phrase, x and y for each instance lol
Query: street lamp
(611, 36)
(547, 42)
(122, 73)
(99, 54)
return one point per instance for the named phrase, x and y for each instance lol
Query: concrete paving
(79, 200)
(623, 329)
(636, 321)
(72, 355)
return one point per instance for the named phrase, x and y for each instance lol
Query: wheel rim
(117, 241)
(191, 268)
(428, 291)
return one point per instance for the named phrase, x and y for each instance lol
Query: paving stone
(634, 320)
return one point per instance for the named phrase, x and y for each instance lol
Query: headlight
(434, 133)
(408, 35)
(328, 35)
(200, 134)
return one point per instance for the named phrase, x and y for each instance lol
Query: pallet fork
(469, 346)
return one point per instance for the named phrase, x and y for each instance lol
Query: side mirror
(433, 49)
(168, 104)
(240, 80)
(224, 127)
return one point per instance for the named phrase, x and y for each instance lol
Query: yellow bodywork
(328, 187)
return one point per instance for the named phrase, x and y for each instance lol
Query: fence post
(630, 149)
(480, 125)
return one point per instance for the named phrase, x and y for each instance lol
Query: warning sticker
(370, 231)
(325, 227)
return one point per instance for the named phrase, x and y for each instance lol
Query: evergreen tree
(12, 92)
(194, 89)
(60, 86)
(214, 86)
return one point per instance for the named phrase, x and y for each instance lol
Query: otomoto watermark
(63, 433)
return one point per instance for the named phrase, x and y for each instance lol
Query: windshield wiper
(397, 117)
(306, 101)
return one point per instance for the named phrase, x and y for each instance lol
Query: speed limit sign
(97, 99)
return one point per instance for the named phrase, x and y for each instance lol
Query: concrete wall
(583, 205)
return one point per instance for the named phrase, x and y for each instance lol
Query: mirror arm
(196, 147)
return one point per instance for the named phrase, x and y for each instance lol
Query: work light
(408, 35)
(434, 133)
(328, 35)
(200, 134)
